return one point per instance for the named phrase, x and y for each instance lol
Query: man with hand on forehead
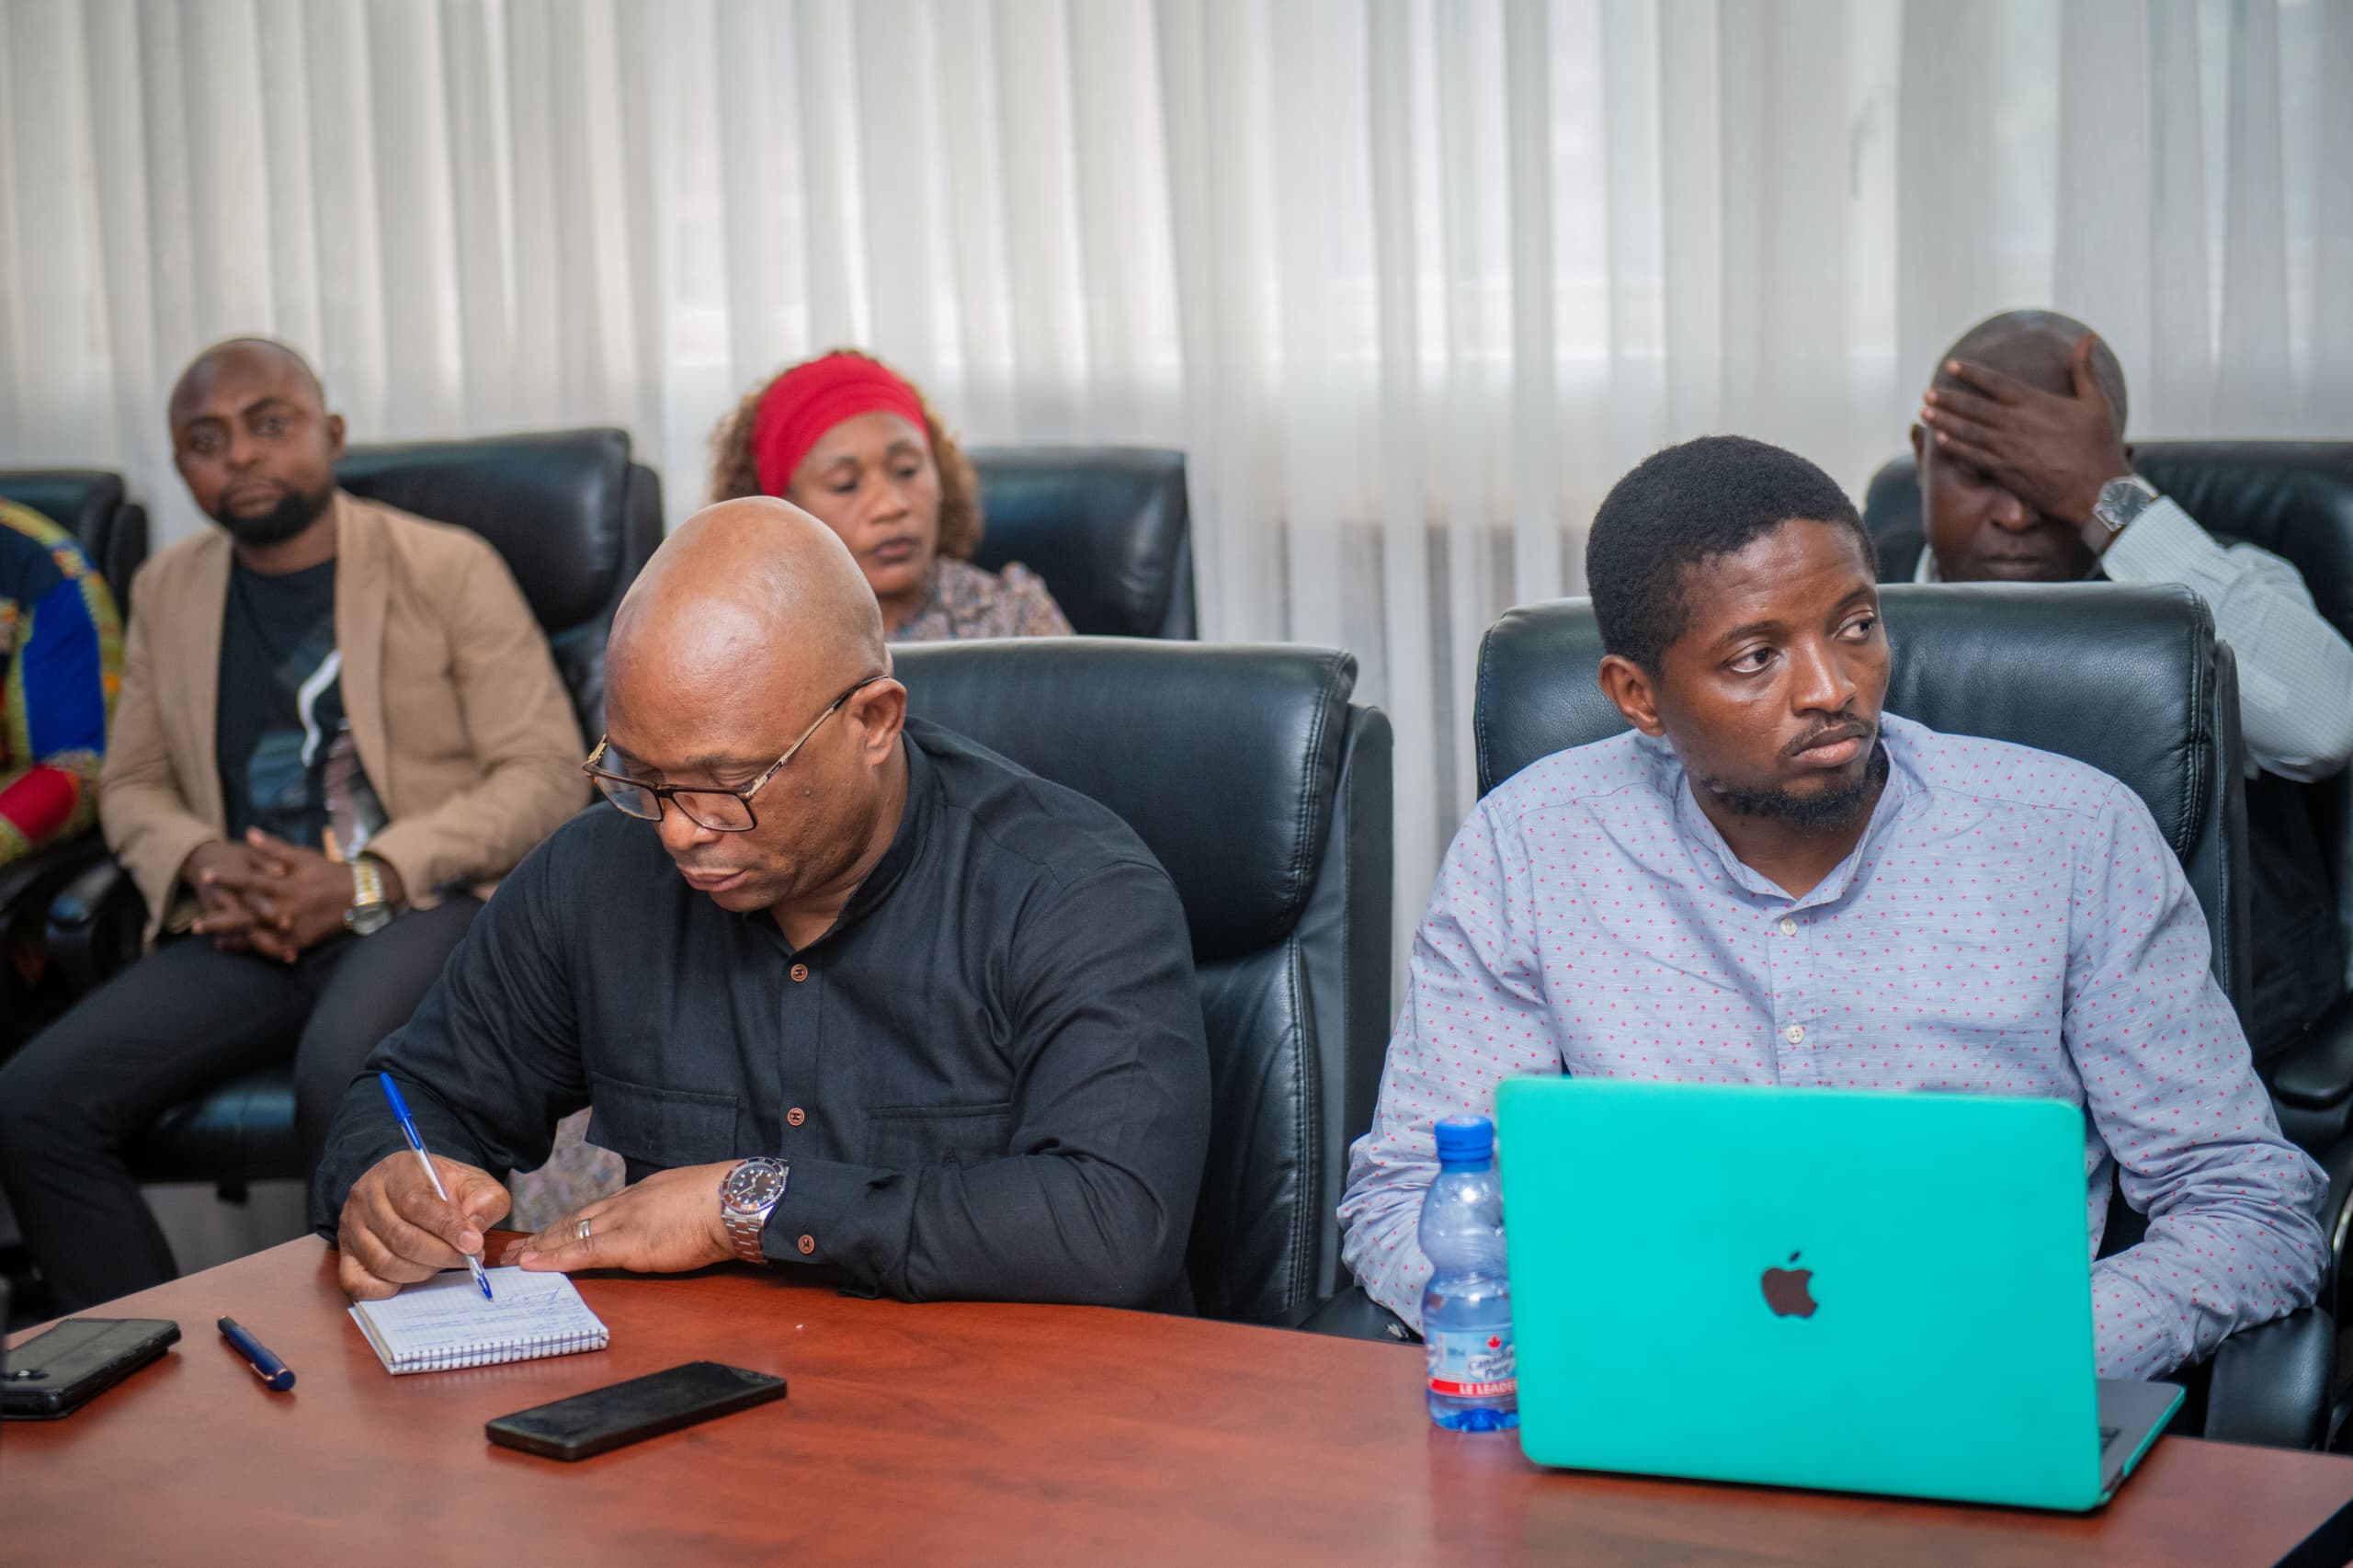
(849, 994)
(2025, 476)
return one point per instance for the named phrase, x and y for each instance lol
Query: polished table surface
(954, 1433)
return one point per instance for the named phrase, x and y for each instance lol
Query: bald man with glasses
(879, 1007)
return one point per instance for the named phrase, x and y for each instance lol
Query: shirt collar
(914, 820)
(1893, 796)
(935, 621)
(915, 817)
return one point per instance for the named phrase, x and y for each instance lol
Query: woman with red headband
(846, 438)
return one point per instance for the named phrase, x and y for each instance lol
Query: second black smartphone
(65, 1367)
(606, 1419)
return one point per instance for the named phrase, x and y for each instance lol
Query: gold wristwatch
(370, 911)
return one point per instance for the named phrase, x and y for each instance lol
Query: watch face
(2122, 500)
(755, 1184)
(368, 918)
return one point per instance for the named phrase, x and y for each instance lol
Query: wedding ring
(582, 1229)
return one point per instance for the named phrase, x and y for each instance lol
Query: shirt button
(1788, 927)
(807, 1245)
(795, 1117)
(1795, 1033)
(799, 971)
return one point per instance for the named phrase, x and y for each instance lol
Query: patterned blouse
(61, 663)
(966, 602)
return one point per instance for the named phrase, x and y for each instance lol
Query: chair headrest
(554, 504)
(1224, 758)
(1108, 528)
(2119, 676)
(78, 500)
(2294, 498)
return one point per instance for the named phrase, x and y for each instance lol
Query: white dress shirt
(2295, 672)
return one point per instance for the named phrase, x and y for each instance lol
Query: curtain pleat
(1411, 281)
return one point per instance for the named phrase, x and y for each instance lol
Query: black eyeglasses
(720, 810)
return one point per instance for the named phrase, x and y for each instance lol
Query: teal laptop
(1854, 1292)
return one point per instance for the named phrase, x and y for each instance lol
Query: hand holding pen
(396, 1227)
(417, 1142)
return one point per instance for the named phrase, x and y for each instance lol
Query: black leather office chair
(2296, 499)
(574, 520)
(2150, 699)
(1108, 528)
(1266, 795)
(572, 517)
(92, 505)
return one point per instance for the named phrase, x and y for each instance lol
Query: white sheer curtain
(1410, 281)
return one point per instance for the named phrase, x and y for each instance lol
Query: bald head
(751, 640)
(2036, 347)
(260, 359)
(749, 595)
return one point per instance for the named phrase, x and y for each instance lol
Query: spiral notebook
(444, 1322)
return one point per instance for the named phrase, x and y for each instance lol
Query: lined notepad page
(444, 1322)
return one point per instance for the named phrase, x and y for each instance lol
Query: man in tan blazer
(338, 725)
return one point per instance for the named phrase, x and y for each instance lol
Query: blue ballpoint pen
(275, 1374)
(400, 1108)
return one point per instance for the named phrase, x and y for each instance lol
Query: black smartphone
(62, 1368)
(606, 1419)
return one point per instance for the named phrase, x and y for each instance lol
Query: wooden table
(954, 1433)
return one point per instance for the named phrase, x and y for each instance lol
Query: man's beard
(293, 513)
(1822, 810)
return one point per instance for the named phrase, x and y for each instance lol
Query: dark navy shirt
(989, 1076)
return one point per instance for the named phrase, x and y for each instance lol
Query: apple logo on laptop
(1786, 1293)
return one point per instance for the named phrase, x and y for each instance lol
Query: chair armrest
(34, 880)
(1352, 1314)
(2318, 1069)
(2336, 1221)
(2271, 1383)
(95, 926)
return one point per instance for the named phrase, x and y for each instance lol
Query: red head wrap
(807, 401)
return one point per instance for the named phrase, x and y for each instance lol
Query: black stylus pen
(274, 1373)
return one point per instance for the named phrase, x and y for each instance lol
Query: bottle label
(1471, 1363)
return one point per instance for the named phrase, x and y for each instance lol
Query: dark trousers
(182, 1019)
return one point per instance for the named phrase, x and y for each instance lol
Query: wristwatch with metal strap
(747, 1194)
(2121, 500)
(370, 911)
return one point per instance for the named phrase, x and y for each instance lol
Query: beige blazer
(464, 728)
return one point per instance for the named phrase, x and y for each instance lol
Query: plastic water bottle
(1466, 1308)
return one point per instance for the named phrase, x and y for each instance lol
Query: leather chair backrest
(1267, 797)
(1108, 528)
(2294, 498)
(92, 505)
(572, 518)
(2126, 677)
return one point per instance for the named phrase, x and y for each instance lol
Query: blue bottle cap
(1464, 1140)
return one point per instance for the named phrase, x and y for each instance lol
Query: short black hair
(1686, 506)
